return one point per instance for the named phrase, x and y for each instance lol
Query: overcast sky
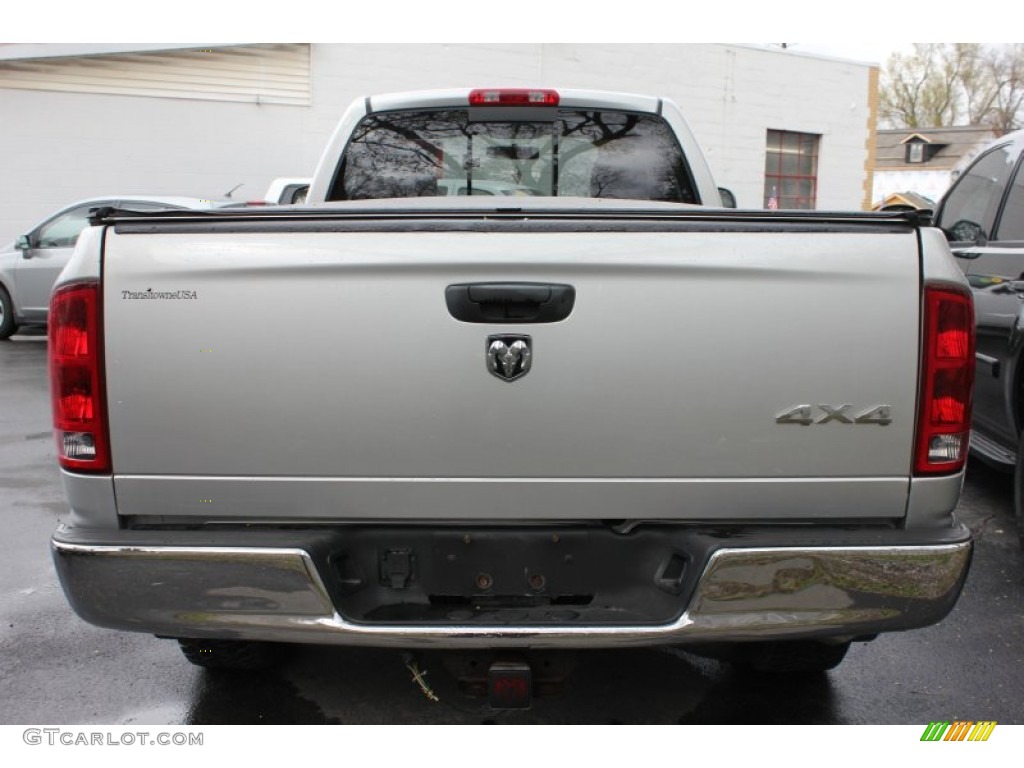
(877, 53)
(465, 21)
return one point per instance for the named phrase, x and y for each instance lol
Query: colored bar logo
(960, 730)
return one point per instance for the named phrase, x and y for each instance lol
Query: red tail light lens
(513, 97)
(76, 379)
(947, 381)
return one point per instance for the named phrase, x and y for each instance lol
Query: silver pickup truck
(606, 412)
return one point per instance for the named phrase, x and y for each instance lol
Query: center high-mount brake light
(513, 97)
(76, 378)
(947, 381)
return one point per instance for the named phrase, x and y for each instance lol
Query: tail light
(947, 380)
(76, 378)
(513, 97)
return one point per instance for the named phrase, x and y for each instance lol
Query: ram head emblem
(509, 357)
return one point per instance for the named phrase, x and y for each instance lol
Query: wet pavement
(55, 669)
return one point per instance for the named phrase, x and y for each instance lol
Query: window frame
(994, 209)
(1015, 174)
(36, 238)
(779, 177)
(334, 192)
(915, 152)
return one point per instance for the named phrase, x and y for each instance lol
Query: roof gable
(946, 146)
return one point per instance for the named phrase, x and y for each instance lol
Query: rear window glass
(579, 153)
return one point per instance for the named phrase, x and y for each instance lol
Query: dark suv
(982, 215)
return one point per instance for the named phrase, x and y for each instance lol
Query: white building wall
(56, 148)
(731, 95)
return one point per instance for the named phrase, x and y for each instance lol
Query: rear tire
(7, 325)
(794, 657)
(230, 654)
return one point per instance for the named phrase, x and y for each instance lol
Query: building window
(791, 170)
(915, 152)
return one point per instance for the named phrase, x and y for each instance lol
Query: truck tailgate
(326, 365)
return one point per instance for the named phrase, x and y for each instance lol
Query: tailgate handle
(510, 302)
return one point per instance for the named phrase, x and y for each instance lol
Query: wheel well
(1018, 397)
(10, 295)
(7, 290)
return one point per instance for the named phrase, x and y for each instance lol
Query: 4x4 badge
(805, 415)
(509, 357)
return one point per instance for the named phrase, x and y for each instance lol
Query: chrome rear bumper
(743, 593)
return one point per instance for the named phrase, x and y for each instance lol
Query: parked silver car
(29, 266)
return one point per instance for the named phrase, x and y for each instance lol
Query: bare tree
(947, 84)
(908, 91)
(1006, 112)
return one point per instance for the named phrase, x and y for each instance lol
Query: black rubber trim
(501, 220)
(352, 212)
(406, 226)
